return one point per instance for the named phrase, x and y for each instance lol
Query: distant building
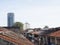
(10, 19)
(27, 26)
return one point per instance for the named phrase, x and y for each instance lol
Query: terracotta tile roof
(13, 37)
(55, 34)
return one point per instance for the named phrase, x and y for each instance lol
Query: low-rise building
(41, 37)
(55, 38)
(8, 37)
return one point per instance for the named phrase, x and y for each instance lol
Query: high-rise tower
(10, 19)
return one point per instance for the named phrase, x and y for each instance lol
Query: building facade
(10, 19)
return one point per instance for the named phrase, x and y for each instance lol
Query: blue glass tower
(10, 19)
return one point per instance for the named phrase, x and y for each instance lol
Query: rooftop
(55, 34)
(13, 37)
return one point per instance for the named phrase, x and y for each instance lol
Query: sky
(38, 13)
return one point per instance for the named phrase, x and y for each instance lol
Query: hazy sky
(36, 12)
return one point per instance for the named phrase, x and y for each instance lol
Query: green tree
(18, 24)
(46, 27)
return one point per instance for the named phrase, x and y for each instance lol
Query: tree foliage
(46, 27)
(18, 24)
